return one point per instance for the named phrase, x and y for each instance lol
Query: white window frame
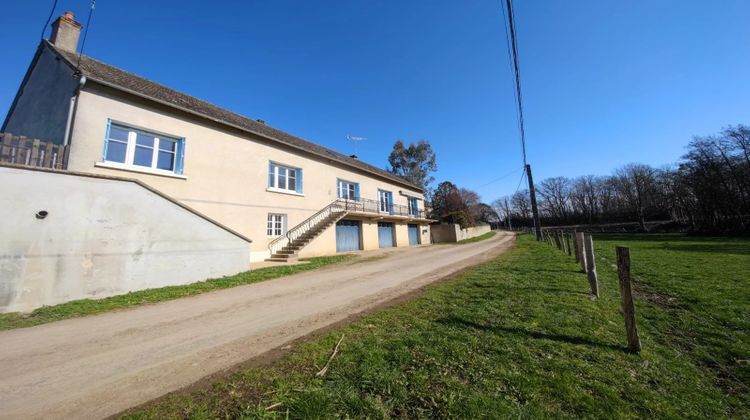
(384, 198)
(277, 169)
(276, 221)
(351, 187)
(413, 206)
(131, 146)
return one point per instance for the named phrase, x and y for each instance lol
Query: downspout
(72, 109)
(69, 124)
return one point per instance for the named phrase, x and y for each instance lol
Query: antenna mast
(355, 140)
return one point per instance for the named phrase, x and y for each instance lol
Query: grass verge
(482, 237)
(85, 307)
(520, 337)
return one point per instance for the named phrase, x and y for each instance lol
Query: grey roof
(122, 80)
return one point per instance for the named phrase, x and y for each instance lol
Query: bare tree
(636, 183)
(709, 190)
(555, 194)
(521, 203)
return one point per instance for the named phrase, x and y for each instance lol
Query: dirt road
(97, 366)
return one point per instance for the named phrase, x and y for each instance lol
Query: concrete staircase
(286, 248)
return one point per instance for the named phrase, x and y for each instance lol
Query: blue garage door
(413, 234)
(347, 235)
(385, 234)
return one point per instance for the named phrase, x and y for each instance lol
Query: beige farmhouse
(291, 197)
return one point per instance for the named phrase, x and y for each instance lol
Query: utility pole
(534, 209)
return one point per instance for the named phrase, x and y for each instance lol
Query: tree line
(707, 190)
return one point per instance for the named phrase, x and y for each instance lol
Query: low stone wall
(454, 233)
(68, 236)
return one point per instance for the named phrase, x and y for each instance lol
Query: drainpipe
(71, 110)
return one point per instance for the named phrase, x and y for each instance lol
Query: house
(292, 197)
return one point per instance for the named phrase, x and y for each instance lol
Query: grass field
(85, 307)
(520, 337)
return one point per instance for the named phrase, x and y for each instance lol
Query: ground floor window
(276, 224)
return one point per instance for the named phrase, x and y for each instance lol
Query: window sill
(128, 168)
(280, 191)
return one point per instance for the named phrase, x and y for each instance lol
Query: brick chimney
(65, 32)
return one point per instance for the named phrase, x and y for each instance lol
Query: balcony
(376, 210)
(20, 150)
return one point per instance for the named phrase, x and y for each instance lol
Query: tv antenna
(355, 140)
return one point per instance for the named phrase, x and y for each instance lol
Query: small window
(284, 178)
(347, 190)
(276, 224)
(135, 147)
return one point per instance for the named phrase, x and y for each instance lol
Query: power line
(519, 100)
(510, 59)
(85, 32)
(499, 178)
(523, 174)
(49, 18)
(517, 71)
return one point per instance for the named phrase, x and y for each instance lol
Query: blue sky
(605, 83)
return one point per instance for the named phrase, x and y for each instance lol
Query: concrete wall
(41, 109)
(101, 237)
(226, 172)
(454, 233)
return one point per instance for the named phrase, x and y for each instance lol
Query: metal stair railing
(337, 206)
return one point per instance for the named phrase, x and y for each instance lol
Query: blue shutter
(390, 202)
(106, 140)
(179, 166)
(356, 191)
(299, 180)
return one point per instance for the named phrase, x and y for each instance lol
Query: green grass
(85, 307)
(482, 237)
(520, 337)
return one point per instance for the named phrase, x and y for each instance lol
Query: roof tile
(123, 80)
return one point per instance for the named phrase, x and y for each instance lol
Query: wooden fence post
(575, 246)
(588, 244)
(582, 255)
(567, 243)
(626, 293)
(557, 239)
(562, 241)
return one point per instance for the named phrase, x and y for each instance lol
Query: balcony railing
(365, 205)
(22, 150)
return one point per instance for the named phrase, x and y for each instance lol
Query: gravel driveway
(97, 366)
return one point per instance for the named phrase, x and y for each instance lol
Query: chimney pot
(65, 32)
